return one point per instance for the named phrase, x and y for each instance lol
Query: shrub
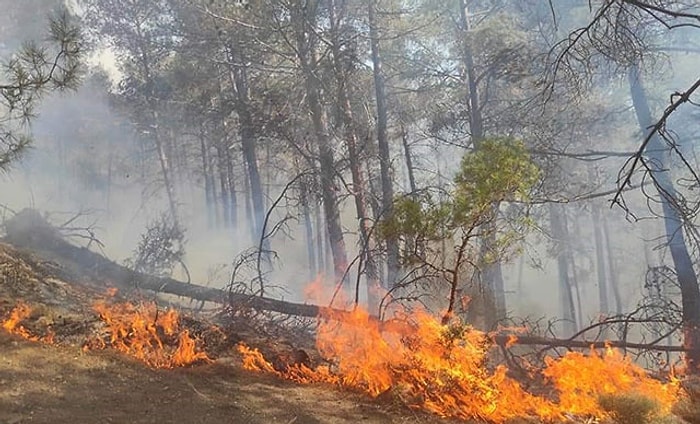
(630, 408)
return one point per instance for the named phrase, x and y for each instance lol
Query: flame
(580, 379)
(13, 324)
(315, 291)
(143, 332)
(444, 369)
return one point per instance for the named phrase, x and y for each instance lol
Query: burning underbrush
(146, 333)
(157, 338)
(446, 370)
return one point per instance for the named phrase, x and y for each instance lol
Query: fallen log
(29, 230)
(507, 340)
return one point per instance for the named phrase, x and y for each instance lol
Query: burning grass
(13, 324)
(443, 369)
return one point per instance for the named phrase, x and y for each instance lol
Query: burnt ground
(62, 383)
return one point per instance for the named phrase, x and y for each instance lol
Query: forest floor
(42, 383)
(61, 382)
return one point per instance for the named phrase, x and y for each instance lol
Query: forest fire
(13, 324)
(443, 369)
(147, 334)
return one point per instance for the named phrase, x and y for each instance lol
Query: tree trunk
(233, 199)
(476, 122)
(308, 229)
(208, 197)
(223, 182)
(165, 171)
(321, 232)
(673, 222)
(560, 239)
(571, 261)
(612, 269)
(493, 273)
(212, 184)
(238, 73)
(359, 185)
(392, 247)
(601, 272)
(305, 19)
(409, 160)
(155, 128)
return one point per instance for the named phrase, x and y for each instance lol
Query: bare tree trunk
(248, 207)
(359, 184)
(601, 272)
(673, 222)
(612, 269)
(238, 73)
(223, 182)
(476, 122)
(561, 239)
(320, 239)
(308, 229)
(165, 171)
(208, 196)
(493, 273)
(571, 260)
(409, 159)
(233, 199)
(212, 184)
(305, 18)
(392, 247)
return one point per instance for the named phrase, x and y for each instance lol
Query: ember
(147, 334)
(443, 369)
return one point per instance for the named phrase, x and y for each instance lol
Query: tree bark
(308, 229)
(238, 74)
(409, 160)
(223, 181)
(359, 185)
(392, 246)
(601, 271)
(208, 195)
(233, 198)
(673, 223)
(612, 269)
(560, 240)
(305, 19)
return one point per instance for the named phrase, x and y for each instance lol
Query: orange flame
(581, 379)
(13, 324)
(443, 369)
(141, 332)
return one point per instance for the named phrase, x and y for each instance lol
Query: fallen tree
(29, 230)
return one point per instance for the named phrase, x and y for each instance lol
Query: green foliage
(31, 73)
(630, 408)
(418, 217)
(500, 170)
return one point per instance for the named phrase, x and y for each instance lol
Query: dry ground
(57, 384)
